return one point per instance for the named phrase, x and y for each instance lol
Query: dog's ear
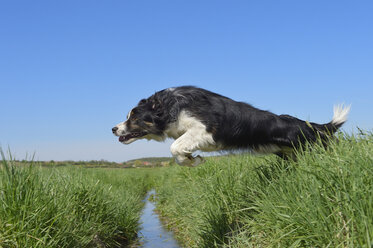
(143, 101)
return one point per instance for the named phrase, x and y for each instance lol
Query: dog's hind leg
(186, 144)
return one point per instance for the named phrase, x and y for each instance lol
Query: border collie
(202, 120)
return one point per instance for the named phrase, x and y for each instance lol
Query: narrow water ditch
(152, 233)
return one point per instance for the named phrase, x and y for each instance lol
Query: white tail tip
(340, 114)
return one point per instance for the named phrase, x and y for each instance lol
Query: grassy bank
(69, 206)
(324, 199)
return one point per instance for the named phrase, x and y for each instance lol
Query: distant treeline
(135, 163)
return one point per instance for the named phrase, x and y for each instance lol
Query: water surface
(152, 234)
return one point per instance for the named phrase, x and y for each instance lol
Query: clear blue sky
(70, 70)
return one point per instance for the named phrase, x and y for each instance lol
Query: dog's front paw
(194, 161)
(189, 160)
(197, 160)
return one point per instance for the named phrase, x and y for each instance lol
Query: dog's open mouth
(127, 137)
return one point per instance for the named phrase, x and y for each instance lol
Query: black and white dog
(202, 120)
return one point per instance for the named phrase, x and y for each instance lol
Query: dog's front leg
(183, 148)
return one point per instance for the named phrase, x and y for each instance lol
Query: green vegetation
(324, 199)
(69, 206)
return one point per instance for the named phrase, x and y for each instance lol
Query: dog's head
(143, 121)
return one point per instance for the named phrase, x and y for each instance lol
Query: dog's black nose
(114, 129)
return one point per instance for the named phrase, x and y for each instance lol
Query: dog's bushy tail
(341, 112)
(340, 116)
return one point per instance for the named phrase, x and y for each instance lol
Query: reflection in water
(152, 233)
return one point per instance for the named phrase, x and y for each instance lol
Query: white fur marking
(340, 114)
(129, 114)
(122, 128)
(190, 135)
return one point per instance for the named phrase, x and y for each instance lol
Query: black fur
(234, 125)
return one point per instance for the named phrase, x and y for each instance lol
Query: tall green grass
(323, 199)
(69, 207)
